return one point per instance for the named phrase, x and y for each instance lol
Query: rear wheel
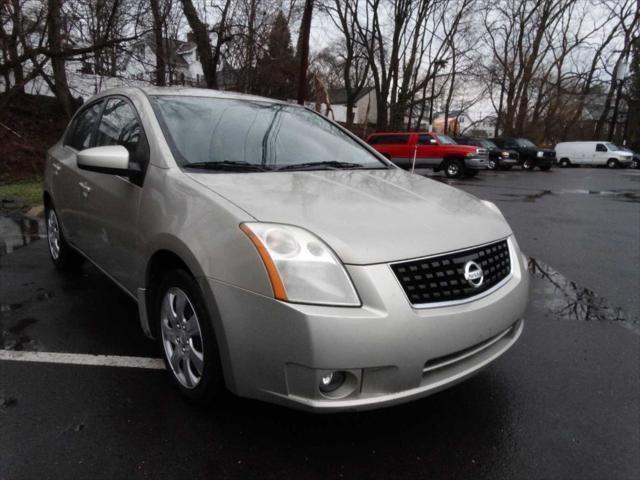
(492, 165)
(527, 165)
(635, 163)
(453, 169)
(612, 163)
(63, 256)
(564, 162)
(187, 339)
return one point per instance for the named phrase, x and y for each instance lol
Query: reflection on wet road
(563, 299)
(17, 231)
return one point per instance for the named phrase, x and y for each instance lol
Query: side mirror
(112, 159)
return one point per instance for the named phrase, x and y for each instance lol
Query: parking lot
(563, 403)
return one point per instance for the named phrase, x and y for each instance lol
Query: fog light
(332, 381)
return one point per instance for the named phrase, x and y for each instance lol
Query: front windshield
(612, 147)
(205, 130)
(446, 140)
(523, 142)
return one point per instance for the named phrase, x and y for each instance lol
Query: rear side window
(119, 125)
(83, 127)
(389, 140)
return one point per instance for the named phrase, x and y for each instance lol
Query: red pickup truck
(430, 150)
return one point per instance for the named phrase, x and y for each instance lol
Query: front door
(600, 156)
(114, 200)
(427, 151)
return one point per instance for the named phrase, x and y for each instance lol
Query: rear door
(67, 179)
(114, 200)
(395, 146)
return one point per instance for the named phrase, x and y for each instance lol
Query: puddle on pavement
(564, 299)
(17, 231)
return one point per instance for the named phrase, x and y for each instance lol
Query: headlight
(301, 267)
(540, 154)
(505, 154)
(472, 154)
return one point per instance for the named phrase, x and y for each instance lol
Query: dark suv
(529, 155)
(499, 158)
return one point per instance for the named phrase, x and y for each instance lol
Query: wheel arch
(171, 254)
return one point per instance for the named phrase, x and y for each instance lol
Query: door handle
(86, 189)
(56, 168)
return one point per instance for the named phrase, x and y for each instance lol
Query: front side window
(81, 133)
(426, 139)
(263, 135)
(119, 125)
(612, 147)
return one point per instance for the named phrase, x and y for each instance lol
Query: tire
(545, 168)
(492, 165)
(453, 169)
(564, 162)
(635, 164)
(527, 165)
(63, 256)
(612, 163)
(185, 334)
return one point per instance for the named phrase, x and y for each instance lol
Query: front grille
(441, 278)
(549, 154)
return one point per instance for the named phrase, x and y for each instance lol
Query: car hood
(366, 216)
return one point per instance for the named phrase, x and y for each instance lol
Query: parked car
(592, 153)
(430, 150)
(272, 252)
(635, 159)
(499, 158)
(529, 155)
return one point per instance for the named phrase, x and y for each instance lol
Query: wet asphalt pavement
(564, 402)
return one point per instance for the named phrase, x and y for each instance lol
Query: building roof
(174, 48)
(339, 96)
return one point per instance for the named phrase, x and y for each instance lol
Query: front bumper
(476, 163)
(392, 352)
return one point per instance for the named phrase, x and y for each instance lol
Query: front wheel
(492, 165)
(63, 256)
(187, 339)
(453, 169)
(612, 163)
(527, 165)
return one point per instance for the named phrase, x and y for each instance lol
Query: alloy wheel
(53, 234)
(182, 337)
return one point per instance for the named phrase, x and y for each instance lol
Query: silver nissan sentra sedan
(274, 254)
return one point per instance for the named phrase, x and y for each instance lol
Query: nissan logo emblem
(473, 273)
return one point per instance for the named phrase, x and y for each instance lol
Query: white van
(592, 153)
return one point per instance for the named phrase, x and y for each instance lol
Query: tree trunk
(305, 30)
(161, 78)
(203, 43)
(58, 63)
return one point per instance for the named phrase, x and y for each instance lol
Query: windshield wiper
(320, 165)
(229, 165)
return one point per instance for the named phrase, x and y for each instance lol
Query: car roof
(188, 92)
